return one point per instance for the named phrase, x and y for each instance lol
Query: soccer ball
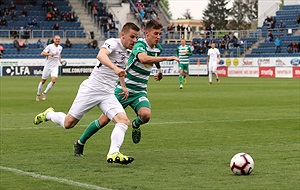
(242, 164)
(64, 63)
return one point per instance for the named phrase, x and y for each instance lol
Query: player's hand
(158, 76)
(125, 93)
(120, 72)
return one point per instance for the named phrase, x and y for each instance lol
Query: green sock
(138, 121)
(180, 79)
(93, 127)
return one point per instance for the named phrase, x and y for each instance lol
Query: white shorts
(212, 67)
(50, 71)
(88, 96)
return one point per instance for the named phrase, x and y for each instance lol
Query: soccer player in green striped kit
(132, 90)
(183, 52)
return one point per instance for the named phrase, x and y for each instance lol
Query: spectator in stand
(12, 5)
(267, 21)
(56, 26)
(295, 47)
(14, 15)
(93, 44)
(298, 19)
(13, 33)
(72, 16)
(39, 44)
(68, 43)
(55, 14)
(16, 43)
(26, 44)
(24, 11)
(278, 44)
(6, 11)
(270, 37)
(189, 31)
(3, 21)
(282, 24)
(272, 23)
(289, 47)
(67, 16)
(196, 45)
(182, 29)
(22, 44)
(224, 44)
(48, 16)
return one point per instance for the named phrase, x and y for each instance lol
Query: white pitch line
(160, 123)
(60, 180)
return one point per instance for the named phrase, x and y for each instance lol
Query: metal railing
(42, 34)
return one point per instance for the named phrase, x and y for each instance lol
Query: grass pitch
(188, 143)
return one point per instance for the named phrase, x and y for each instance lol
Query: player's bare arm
(104, 59)
(47, 54)
(124, 89)
(146, 59)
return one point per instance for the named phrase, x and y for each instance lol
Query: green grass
(188, 144)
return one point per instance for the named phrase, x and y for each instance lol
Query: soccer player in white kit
(212, 62)
(98, 90)
(53, 59)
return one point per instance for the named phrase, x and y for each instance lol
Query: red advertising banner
(267, 72)
(222, 71)
(296, 72)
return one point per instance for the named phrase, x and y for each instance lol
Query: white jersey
(104, 75)
(213, 55)
(53, 61)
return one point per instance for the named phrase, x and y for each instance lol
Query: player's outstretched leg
(119, 158)
(136, 133)
(41, 117)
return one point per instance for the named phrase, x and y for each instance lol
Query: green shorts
(136, 101)
(183, 67)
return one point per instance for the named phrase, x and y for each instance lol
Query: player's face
(182, 42)
(56, 40)
(153, 36)
(213, 45)
(129, 38)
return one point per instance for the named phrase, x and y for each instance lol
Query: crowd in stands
(101, 16)
(229, 40)
(145, 10)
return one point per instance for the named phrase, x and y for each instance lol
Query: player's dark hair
(130, 25)
(153, 24)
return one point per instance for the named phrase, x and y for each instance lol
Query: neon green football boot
(119, 158)
(41, 117)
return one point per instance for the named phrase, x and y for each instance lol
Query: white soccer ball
(64, 63)
(242, 164)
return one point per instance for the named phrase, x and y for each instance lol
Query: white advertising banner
(198, 70)
(41, 62)
(284, 72)
(262, 62)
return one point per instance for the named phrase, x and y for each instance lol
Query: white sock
(210, 76)
(40, 86)
(117, 137)
(49, 86)
(216, 75)
(57, 117)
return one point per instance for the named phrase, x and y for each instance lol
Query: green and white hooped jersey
(138, 74)
(181, 53)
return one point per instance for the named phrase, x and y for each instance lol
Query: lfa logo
(17, 71)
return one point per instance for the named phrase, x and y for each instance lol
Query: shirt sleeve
(110, 45)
